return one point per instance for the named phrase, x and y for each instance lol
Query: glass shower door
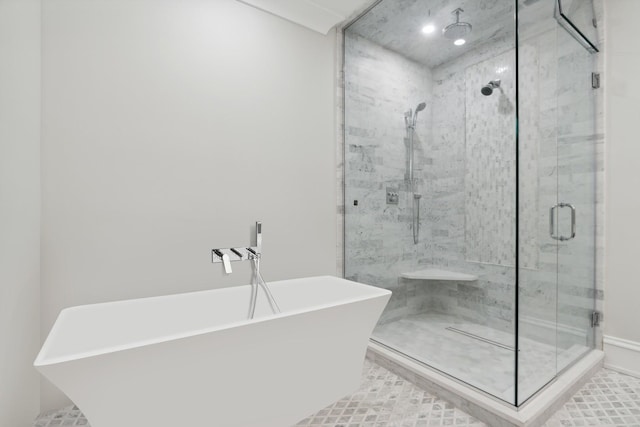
(576, 218)
(537, 197)
(557, 179)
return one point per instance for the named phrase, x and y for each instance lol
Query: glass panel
(578, 18)
(538, 194)
(577, 144)
(557, 175)
(430, 181)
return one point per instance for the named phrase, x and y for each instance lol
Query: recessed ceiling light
(459, 42)
(428, 29)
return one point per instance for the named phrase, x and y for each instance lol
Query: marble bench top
(438, 274)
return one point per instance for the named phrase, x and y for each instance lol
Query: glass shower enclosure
(470, 148)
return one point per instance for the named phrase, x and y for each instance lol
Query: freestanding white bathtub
(194, 359)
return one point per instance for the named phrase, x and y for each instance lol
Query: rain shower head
(458, 29)
(489, 87)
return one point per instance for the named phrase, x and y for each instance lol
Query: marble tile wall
(559, 148)
(471, 210)
(490, 166)
(380, 86)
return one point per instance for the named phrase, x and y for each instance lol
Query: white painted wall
(19, 210)
(169, 128)
(622, 291)
(320, 16)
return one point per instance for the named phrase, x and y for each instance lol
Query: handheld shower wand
(415, 200)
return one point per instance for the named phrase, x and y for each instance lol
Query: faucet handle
(227, 264)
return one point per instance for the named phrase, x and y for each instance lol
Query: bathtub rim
(42, 361)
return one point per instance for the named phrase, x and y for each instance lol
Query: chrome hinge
(595, 80)
(596, 317)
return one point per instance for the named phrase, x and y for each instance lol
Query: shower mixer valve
(228, 255)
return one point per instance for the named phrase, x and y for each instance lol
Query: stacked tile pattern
(380, 86)
(490, 167)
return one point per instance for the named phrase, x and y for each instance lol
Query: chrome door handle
(552, 221)
(573, 220)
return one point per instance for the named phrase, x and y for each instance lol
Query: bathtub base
(485, 408)
(195, 359)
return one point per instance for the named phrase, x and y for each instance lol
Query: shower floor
(478, 355)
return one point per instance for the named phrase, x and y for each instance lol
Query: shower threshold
(487, 408)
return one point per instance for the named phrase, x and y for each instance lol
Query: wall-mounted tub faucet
(228, 255)
(253, 253)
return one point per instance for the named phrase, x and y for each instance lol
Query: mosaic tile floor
(384, 399)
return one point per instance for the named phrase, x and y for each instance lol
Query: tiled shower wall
(378, 237)
(380, 87)
(382, 84)
(473, 166)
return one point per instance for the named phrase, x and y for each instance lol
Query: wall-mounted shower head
(489, 87)
(458, 29)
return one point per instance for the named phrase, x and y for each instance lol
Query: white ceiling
(318, 15)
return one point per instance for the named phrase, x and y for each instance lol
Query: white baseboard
(622, 355)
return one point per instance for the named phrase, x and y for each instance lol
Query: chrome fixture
(258, 281)
(392, 196)
(253, 254)
(552, 225)
(408, 115)
(416, 217)
(410, 120)
(457, 30)
(228, 255)
(489, 87)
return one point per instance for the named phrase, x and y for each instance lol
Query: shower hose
(258, 281)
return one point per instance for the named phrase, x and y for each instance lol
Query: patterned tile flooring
(384, 399)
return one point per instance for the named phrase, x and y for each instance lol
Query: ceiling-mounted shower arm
(458, 29)
(457, 12)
